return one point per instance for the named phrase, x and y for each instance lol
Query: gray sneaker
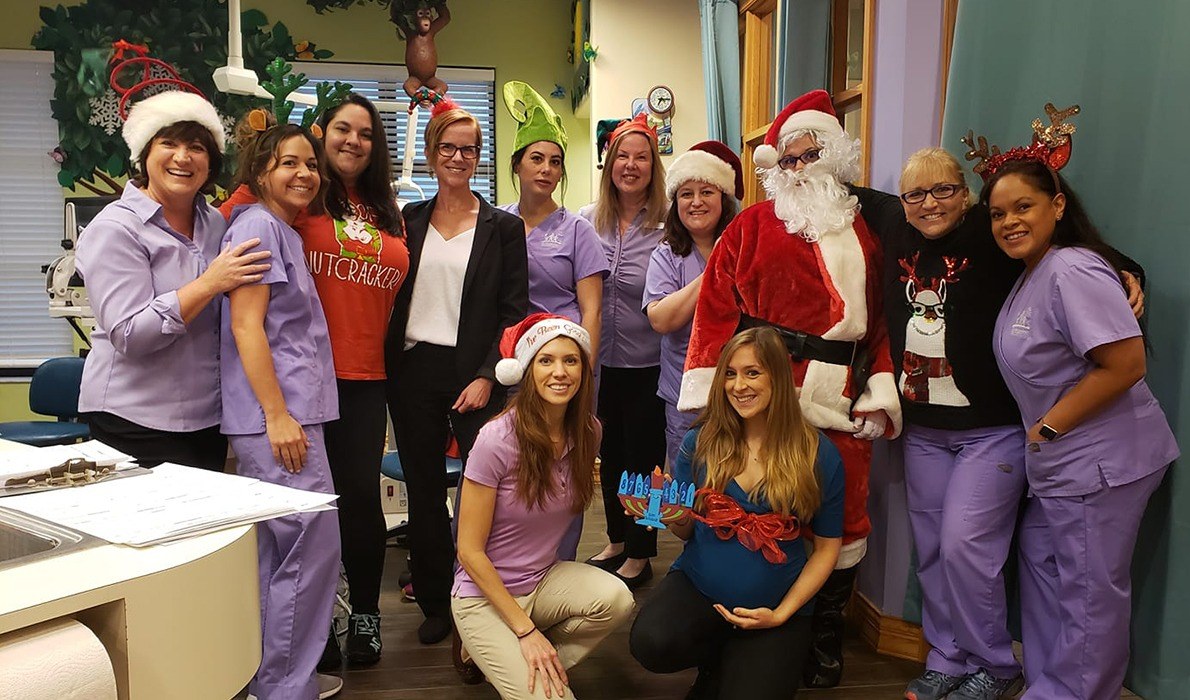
(984, 686)
(932, 685)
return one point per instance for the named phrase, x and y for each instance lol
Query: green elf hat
(536, 120)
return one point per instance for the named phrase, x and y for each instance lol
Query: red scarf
(760, 532)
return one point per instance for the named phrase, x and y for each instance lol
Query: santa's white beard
(811, 202)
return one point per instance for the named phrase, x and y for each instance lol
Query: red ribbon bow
(760, 533)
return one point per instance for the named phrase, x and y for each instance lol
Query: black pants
(420, 395)
(205, 449)
(633, 419)
(354, 448)
(678, 629)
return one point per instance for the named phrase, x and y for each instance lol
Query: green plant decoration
(190, 35)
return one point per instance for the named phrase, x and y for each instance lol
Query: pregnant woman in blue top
(737, 604)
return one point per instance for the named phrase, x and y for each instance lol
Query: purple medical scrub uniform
(668, 272)
(298, 554)
(1088, 488)
(562, 249)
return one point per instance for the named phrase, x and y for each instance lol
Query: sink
(25, 539)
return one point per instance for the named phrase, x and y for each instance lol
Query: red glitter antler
(953, 267)
(1051, 144)
(910, 268)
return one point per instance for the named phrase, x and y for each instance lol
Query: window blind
(473, 89)
(31, 205)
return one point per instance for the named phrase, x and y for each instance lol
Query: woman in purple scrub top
(567, 264)
(628, 216)
(1097, 442)
(703, 185)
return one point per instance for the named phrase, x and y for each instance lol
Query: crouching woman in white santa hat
(524, 616)
(806, 263)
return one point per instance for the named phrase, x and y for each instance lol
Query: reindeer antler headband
(1051, 144)
(282, 83)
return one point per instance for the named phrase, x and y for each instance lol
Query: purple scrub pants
(677, 424)
(298, 557)
(964, 489)
(1076, 590)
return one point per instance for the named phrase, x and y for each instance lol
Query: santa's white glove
(869, 426)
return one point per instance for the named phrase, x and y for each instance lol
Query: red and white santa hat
(712, 162)
(153, 114)
(812, 110)
(520, 343)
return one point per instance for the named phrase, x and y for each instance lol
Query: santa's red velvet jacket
(829, 288)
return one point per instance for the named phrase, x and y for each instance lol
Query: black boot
(824, 667)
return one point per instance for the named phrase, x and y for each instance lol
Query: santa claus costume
(806, 263)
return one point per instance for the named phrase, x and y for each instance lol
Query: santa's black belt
(806, 346)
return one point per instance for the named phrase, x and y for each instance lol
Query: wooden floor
(410, 671)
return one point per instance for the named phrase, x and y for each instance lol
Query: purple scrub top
(563, 249)
(626, 339)
(146, 365)
(295, 327)
(1069, 304)
(668, 272)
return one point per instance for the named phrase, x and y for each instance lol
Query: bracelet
(526, 634)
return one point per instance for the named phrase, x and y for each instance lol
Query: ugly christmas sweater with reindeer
(941, 298)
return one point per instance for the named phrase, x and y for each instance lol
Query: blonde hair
(438, 125)
(790, 450)
(607, 205)
(937, 162)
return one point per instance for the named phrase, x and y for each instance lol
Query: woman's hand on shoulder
(288, 440)
(751, 618)
(1136, 295)
(543, 661)
(236, 266)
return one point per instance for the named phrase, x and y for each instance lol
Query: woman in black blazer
(468, 280)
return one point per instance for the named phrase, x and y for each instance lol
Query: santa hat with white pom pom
(520, 343)
(812, 111)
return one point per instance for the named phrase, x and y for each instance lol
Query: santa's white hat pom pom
(765, 156)
(508, 371)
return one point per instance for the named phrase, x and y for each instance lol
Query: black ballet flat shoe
(635, 582)
(610, 564)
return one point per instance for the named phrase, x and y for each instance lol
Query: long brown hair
(535, 481)
(607, 205)
(375, 186)
(257, 154)
(790, 449)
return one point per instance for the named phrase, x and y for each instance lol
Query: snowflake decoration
(105, 111)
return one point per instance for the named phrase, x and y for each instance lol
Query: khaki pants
(575, 606)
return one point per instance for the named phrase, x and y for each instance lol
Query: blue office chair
(390, 466)
(54, 391)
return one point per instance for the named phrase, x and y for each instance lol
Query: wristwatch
(1048, 433)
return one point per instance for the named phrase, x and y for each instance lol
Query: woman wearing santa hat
(468, 281)
(628, 216)
(567, 265)
(524, 616)
(154, 275)
(703, 185)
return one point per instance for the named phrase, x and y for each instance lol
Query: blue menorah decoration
(653, 500)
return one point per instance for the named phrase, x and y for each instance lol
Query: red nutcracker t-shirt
(357, 270)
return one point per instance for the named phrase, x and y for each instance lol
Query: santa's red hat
(711, 162)
(520, 343)
(812, 110)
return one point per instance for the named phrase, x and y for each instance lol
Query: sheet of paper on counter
(170, 503)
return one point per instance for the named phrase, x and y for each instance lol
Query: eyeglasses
(939, 192)
(790, 162)
(448, 150)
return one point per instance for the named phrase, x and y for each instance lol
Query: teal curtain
(1128, 65)
(802, 48)
(721, 69)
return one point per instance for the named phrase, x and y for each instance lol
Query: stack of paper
(36, 461)
(170, 503)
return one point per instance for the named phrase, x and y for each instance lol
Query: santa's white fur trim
(700, 166)
(846, 266)
(152, 114)
(765, 156)
(821, 397)
(881, 395)
(696, 387)
(852, 553)
(812, 120)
